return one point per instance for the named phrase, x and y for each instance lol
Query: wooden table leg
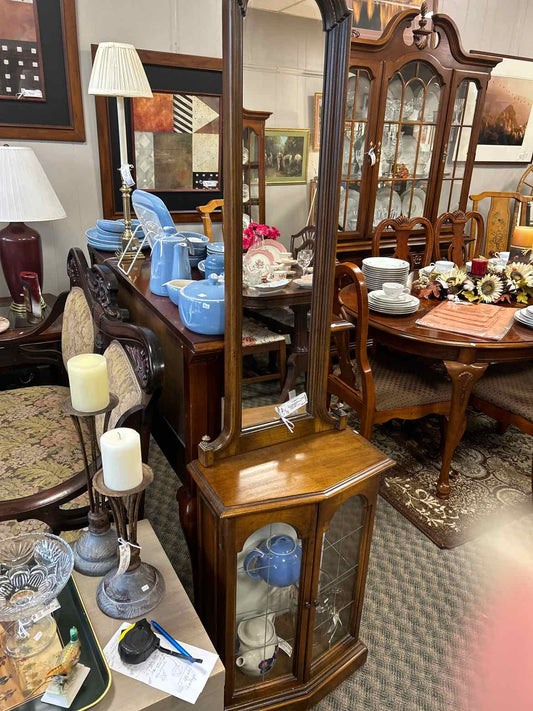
(297, 361)
(464, 376)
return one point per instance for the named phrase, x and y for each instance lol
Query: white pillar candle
(121, 458)
(87, 375)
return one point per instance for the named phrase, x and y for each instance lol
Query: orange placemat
(479, 320)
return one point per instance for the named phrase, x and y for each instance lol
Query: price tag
(285, 646)
(286, 409)
(125, 172)
(51, 607)
(124, 552)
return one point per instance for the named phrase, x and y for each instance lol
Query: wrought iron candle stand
(95, 551)
(140, 587)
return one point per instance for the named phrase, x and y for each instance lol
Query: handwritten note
(169, 674)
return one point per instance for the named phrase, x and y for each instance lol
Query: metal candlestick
(141, 587)
(95, 551)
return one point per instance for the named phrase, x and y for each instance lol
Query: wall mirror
(293, 67)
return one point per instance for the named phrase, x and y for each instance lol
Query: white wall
(283, 68)
(73, 168)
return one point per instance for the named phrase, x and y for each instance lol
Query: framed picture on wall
(286, 155)
(317, 122)
(506, 133)
(175, 138)
(40, 91)
(370, 17)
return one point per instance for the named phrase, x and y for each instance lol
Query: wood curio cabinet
(413, 111)
(284, 539)
(253, 164)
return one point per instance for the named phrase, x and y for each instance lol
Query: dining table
(465, 357)
(298, 300)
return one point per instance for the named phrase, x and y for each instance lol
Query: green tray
(95, 686)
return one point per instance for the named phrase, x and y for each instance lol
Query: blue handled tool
(173, 642)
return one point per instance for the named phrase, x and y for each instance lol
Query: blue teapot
(276, 560)
(201, 305)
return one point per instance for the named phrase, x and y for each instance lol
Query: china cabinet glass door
(407, 142)
(250, 176)
(337, 600)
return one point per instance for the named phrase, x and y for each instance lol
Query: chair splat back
(402, 230)
(205, 213)
(506, 210)
(462, 246)
(302, 239)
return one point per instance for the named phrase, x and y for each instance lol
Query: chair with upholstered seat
(404, 234)
(505, 393)
(41, 465)
(383, 385)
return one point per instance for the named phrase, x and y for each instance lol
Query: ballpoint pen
(174, 643)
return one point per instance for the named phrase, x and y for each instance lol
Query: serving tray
(19, 679)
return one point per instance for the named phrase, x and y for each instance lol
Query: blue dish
(215, 248)
(114, 226)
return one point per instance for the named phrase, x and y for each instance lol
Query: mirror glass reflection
(283, 58)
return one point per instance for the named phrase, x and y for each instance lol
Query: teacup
(502, 257)
(392, 289)
(442, 265)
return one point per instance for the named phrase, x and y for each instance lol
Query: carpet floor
(425, 609)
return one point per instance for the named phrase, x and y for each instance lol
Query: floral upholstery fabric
(39, 448)
(77, 331)
(122, 382)
(255, 333)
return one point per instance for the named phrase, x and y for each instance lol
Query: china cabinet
(412, 117)
(253, 164)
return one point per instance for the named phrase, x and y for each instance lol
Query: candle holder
(140, 587)
(95, 551)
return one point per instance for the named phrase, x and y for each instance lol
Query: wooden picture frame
(370, 17)
(511, 85)
(317, 120)
(284, 166)
(57, 114)
(167, 72)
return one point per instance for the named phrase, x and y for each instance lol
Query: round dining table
(466, 359)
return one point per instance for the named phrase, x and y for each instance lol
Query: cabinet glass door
(459, 141)
(268, 577)
(355, 135)
(407, 141)
(250, 175)
(336, 602)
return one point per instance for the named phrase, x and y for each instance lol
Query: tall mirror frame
(337, 23)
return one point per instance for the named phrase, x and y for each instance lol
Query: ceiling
(300, 8)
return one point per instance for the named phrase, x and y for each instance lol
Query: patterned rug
(491, 477)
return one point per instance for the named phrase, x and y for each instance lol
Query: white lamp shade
(25, 192)
(118, 71)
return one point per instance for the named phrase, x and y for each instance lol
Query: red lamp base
(20, 251)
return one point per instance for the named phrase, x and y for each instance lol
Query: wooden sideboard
(190, 403)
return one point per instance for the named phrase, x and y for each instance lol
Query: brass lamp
(118, 71)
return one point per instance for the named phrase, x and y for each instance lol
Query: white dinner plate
(270, 287)
(523, 319)
(385, 263)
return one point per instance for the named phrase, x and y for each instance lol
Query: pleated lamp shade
(118, 71)
(25, 192)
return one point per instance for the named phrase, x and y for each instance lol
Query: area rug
(490, 480)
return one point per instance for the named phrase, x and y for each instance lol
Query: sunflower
(490, 288)
(519, 272)
(455, 277)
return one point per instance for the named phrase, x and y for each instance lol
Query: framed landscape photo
(40, 91)
(506, 133)
(174, 138)
(286, 155)
(370, 17)
(317, 122)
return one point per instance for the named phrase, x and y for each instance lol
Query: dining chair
(304, 239)
(406, 235)
(450, 227)
(386, 384)
(505, 211)
(505, 393)
(205, 212)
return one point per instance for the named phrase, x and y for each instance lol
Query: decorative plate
(260, 259)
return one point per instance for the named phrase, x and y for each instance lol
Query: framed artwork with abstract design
(175, 138)
(506, 133)
(370, 17)
(40, 92)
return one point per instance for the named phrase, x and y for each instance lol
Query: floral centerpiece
(513, 282)
(255, 232)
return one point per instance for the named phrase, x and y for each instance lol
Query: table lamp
(118, 71)
(25, 196)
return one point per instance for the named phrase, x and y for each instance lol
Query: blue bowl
(115, 226)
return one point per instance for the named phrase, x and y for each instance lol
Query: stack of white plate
(525, 317)
(394, 305)
(378, 270)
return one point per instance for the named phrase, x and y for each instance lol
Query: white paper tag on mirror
(286, 409)
(124, 552)
(285, 646)
(125, 172)
(51, 607)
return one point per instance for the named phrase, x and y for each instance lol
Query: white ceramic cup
(443, 265)
(393, 289)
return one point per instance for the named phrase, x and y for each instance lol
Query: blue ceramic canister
(162, 262)
(201, 306)
(276, 560)
(214, 264)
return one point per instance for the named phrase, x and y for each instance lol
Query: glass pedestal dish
(34, 568)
